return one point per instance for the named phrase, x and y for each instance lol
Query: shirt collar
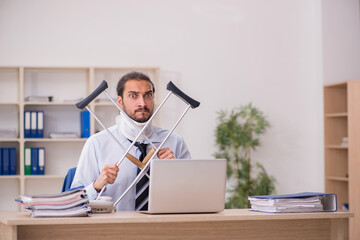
(154, 138)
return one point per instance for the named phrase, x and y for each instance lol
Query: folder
(27, 161)
(33, 127)
(1, 168)
(13, 162)
(27, 124)
(34, 161)
(5, 161)
(40, 124)
(85, 124)
(41, 161)
(298, 202)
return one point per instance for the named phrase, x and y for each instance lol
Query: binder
(1, 168)
(13, 162)
(298, 202)
(27, 161)
(40, 124)
(41, 161)
(27, 124)
(85, 124)
(5, 161)
(33, 128)
(34, 161)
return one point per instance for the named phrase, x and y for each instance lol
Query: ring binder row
(8, 163)
(34, 160)
(33, 124)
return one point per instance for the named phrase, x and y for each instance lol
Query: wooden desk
(230, 224)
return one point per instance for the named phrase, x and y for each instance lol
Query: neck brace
(129, 130)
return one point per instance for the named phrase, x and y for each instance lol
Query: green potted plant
(237, 134)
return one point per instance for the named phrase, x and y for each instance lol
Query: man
(97, 164)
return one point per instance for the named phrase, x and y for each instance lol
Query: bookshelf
(342, 165)
(66, 85)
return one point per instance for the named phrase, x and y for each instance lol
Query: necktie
(142, 186)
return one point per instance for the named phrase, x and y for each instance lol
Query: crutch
(101, 88)
(190, 103)
(83, 104)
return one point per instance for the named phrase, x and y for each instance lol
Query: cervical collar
(129, 130)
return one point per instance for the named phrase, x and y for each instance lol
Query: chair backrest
(68, 179)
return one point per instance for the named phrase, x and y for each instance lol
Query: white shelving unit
(67, 85)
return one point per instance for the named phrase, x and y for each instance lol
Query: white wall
(341, 40)
(223, 53)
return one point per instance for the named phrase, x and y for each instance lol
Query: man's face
(138, 100)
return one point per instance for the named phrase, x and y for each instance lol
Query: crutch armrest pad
(192, 102)
(83, 103)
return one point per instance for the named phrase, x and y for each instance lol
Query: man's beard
(143, 111)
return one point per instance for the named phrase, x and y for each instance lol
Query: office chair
(68, 179)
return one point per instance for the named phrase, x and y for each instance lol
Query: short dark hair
(130, 76)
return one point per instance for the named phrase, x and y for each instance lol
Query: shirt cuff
(91, 191)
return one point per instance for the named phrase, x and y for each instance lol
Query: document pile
(299, 202)
(67, 204)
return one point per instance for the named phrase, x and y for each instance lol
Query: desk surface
(21, 218)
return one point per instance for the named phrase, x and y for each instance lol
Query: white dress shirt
(100, 150)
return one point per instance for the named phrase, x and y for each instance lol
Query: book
(27, 161)
(13, 161)
(1, 162)
(27, 124)
(34, 161)
(5, 161)
(33, 125)
(41, 161)
(85, 124)
(298, 202)
(40, 124)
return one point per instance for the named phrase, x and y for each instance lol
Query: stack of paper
(63, 135)
(67, 204)
(39, 98)
(299, 202)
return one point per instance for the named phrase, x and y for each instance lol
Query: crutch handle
(83, 103)
(135, 161)
(148, 156)
(192, 102)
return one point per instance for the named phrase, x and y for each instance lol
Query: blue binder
(27, 124)
(1, 168)
(33, 125)
(34, 161)
(40, 124)
(13, 162)
(41, 161)
(85, 124)
(6, 161)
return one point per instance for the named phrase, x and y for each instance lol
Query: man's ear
(119, 101)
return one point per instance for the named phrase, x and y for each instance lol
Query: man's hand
(108, 175)
(165, 153)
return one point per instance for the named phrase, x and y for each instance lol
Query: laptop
(187, 186)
